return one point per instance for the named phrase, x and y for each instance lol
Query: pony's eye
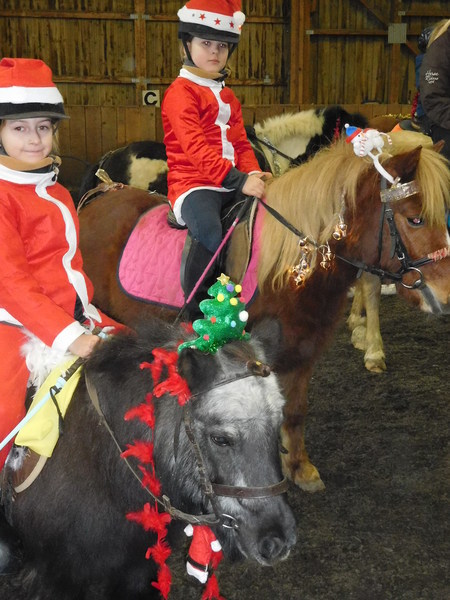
(416, 221)
(220, 440)
(281, 448)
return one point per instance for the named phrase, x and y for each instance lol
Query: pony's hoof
(311, 486)
(307, 478)
(375, 367)
(376, 363)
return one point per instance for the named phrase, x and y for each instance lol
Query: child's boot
(195, 264)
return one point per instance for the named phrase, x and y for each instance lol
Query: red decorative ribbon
(149, 517)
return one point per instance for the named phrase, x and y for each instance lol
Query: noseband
(210, 489)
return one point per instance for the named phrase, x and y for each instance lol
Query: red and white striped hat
(220, 20)
(27, 90)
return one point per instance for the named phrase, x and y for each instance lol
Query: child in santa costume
(45, 296)
(209, 156)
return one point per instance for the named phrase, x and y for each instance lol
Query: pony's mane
(310, 197)
(305, 123)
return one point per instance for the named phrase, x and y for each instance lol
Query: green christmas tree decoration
(225, 318)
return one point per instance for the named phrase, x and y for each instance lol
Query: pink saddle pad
(149, 268)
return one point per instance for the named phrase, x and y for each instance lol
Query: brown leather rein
(211, 490)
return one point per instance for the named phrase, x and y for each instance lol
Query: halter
(211, 490)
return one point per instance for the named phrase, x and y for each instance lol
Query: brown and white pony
(313, 198)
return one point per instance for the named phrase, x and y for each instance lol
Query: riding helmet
(219, 20)
(27, 90)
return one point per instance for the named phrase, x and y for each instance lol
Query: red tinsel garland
(149, 517)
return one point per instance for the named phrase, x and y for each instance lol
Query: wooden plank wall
(107, 52)
(342, 52)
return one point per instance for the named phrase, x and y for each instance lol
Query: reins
(211, 490)
(164, 502)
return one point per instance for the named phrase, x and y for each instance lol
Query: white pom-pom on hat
(239, 18)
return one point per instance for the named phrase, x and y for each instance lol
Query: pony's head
(230, 431)
(337, 184)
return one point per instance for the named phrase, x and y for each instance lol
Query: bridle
(293, 162)
(396, 192)
(211, 490)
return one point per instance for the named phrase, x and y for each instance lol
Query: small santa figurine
(203, 547)
(366, 140)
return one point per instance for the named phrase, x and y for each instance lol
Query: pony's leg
(356, 321)
(374, 357)
(364, 322)
(295, 462)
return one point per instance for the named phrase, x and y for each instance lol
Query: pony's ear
(268, 332)
(405, 165)
(197, 368)
(437, 147)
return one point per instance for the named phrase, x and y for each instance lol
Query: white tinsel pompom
(243, 316)
(239, 18)
(41, 359)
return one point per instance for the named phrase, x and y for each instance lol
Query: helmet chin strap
(189, 60)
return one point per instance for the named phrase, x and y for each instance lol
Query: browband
(398, 191)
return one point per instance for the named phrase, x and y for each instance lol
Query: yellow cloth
(41, 432)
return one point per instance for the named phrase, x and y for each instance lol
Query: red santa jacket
(204, 136)
(41, 269)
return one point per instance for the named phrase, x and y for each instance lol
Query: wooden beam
(294, 51)
(53, 14)
(427, 11)
(395, 59)
(117, 16)
(349, 32)
(374, 12)
(304, 63)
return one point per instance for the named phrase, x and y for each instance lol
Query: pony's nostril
(271, 547)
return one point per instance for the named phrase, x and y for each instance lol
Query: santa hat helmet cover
(27, 90)
(219, 20)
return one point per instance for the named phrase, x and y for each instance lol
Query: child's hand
(254, 186)
(84, 345)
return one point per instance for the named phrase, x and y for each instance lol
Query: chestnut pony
(404, 237)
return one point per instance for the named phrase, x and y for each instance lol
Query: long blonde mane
(310, 197)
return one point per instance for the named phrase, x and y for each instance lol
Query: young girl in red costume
(45, 295)
(209, 156)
